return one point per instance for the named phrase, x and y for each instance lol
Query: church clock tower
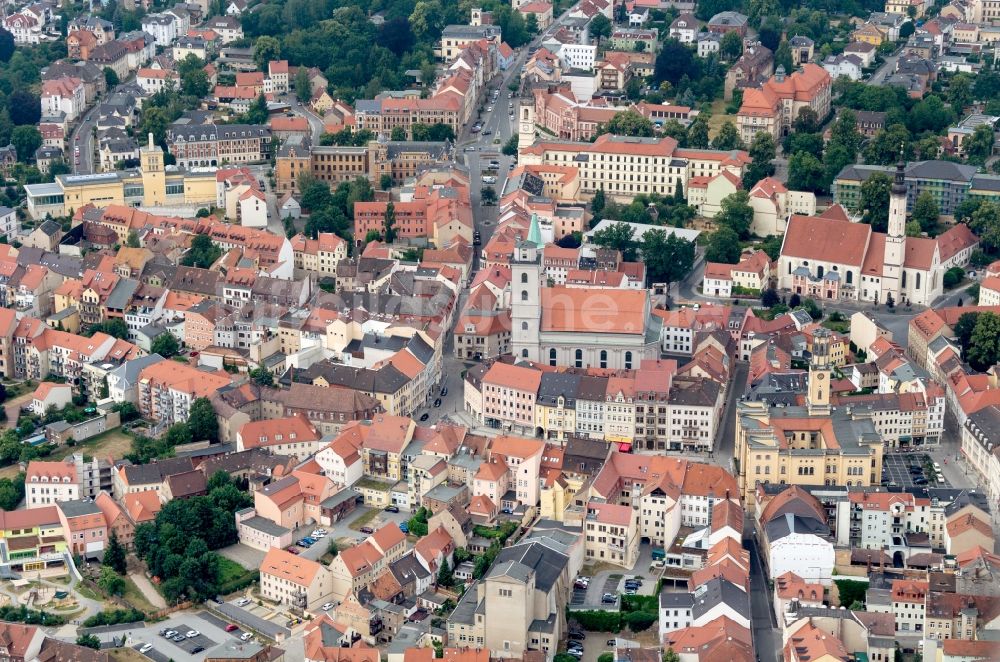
(819, 374)
(895, 241)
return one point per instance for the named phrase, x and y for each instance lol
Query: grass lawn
(87, 592)
(364, 519)
(229, 570)
(843, 326)
(136, 597)
(113, 443)
(718, 117)
(126, 655)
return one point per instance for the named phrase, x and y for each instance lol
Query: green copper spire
(535, 232)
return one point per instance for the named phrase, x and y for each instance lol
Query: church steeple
(897, 201)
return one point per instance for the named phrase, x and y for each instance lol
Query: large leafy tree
(736, 213)
(728, 137)
(668, 258)
(165, 345)
(674, 62)
(874, 201)
(926, 212)
(723, 246)
(202, 421)
(806, 173)
(202, 253)
(114, 555)
(618, 236)
(266, 49)
(983, 351)
(979, 146)
(762, 152)
(628, 123)
(985, 222)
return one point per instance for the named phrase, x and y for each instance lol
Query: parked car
(246, 636)
(243, 602)
(191, 634)
(178, 638)
(404, 527)
(578, 654)
(367, 529)
(444, 391)
(327, 607)
(197, 649)
(424, 417)
(169, 634)
(392, 509)
(146, 648)
(611, 642)
(577, 635)
(608, 598)
(232, 627)
(437, 403)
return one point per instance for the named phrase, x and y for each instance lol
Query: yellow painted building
(810, 445)
(152, 185)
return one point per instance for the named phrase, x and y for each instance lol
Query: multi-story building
(219, 144)
(775, 445)
(47, 483)
(165, 392)
(776, 105)
(456, 38)
(336, 164)
(295, 581)
(34, 541)
(624, 167)
(611, 534)
(948, 183)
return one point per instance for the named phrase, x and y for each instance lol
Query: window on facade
(604, 358)
(628, 360)
(578, 355)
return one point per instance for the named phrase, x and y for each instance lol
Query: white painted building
(794, 546)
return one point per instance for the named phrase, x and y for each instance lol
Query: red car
(293, 550)
(231, 627)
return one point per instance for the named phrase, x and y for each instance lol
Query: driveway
(246, 556)
(148, 590)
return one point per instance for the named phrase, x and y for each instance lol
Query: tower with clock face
(819, 373)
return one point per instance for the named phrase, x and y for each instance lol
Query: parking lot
(898, 470)
(606, 583)
(211, 632)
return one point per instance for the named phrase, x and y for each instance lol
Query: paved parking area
(897, 468)
(211, 633)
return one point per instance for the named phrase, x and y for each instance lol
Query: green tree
(389, 222)
(133, 239)
(510, 147)
(488, 195)
(723, 246)
(985, 222)
(114, 555)
(26, 140)
(531, 24)
(697, 134)
(807, 121)
(963, 329)
(670, 656)
(674, 62)
(736, 213)
(883, 148)
(202, 253)
(195, 82)
(111, 582)
(7, 45)
(262, 376)
(731, 46)
(668, 258)
(445, 575)
(873, 202)
(639, 621)
(728, 137)
(398, 133)
(115, 328)
(926, 212)
(597, 203)
(266, 49)
(110, 78)
(11, 489)
(607, 657)
(959, 93)
(302, 85)
(762, 152)
(979, 146)
(628, 123)
(806, 173)
(618, 236)
(984, 346)
(257, 113)
(600, 28)
(202, 421)
(845, 132)
(165, 345)
(385, 181)
(783, 57)
(89, 641)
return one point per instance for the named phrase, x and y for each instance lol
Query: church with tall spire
(833, 256)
